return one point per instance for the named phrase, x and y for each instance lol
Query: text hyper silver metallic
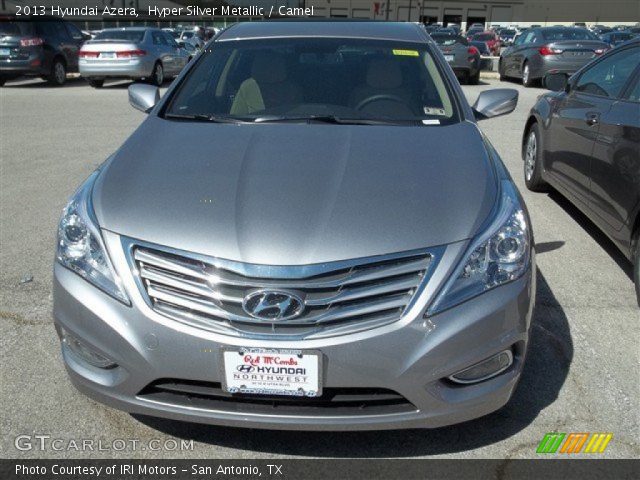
(272, 251)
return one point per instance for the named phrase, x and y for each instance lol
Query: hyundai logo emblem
(273, 305)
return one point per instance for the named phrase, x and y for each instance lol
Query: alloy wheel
(531, 151)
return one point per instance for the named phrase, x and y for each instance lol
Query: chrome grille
(339, 297)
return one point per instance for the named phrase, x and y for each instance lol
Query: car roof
(397, 31)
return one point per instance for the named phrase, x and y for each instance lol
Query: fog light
(85, 352)
(484, 370)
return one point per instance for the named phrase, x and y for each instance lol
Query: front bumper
(410, 357)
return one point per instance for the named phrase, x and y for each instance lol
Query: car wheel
(58, 74)
(157, 76)
(501, 74)
(2, 81)
(532, 154)
(636, 263)
(527, 81)
(96, 82)
(475, 78)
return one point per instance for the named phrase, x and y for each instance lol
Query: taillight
(85, 54)
(31, 42)
(599, 51)
(547, 50)
(131, 53)
(472, 50)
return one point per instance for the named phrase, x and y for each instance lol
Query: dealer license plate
(259, 371)
(449, 58)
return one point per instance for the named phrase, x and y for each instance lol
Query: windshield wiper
(331, 119)
(201, 117)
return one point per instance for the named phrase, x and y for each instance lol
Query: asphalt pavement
(581, 374)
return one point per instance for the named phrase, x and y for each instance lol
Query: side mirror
(557, 82)
(143, 97)
(495, 102)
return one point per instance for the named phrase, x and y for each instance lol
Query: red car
(491, 39)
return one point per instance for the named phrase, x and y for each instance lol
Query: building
(488, 12)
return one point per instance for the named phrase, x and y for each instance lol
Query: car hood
(293, 194)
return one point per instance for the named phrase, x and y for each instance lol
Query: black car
(584, 141)
(617, 38)
(45, 48)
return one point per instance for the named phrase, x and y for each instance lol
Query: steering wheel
(377, 98)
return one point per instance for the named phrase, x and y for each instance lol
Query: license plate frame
(108, 55)
(267, 383)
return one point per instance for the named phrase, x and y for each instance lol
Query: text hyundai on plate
(309, 231)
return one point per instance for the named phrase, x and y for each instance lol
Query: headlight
(499, 255)
(80, 245)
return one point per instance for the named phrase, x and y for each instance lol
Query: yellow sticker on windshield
(407, 53)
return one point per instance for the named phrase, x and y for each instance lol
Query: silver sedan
(137, 53)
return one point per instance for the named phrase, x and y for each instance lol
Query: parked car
(46, 48)
(491, 39)
(482, 47)
(545, 50)
(447, 31)
(266, 286)
(189, 48)
(507, 36)
(584, 141)
(473, 30)
(616, 38)
(455, 27)
(195, 37)
(463, 58)
(601, 29)
(137, 53)
(174, 32)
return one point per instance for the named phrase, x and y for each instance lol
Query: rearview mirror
(556, 82)
(495, 102)
(143, 97)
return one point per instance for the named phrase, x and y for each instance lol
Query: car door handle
(592, 118)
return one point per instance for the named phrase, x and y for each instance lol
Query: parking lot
(580, 371)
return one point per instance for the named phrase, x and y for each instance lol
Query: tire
(527, 81)
(96, 82)
(474, 79)
(636, 263)
(157, 75)
(501, 74)
(532, 156)
(2, 81)
(58, 74)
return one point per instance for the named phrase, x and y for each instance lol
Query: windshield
(128, 35)
(482, 37)
(568, 34)
(187, 34)
(508, 33)
(300, 78)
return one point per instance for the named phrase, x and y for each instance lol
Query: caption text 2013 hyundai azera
(309, 231)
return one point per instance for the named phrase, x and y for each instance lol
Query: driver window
(608, 77)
